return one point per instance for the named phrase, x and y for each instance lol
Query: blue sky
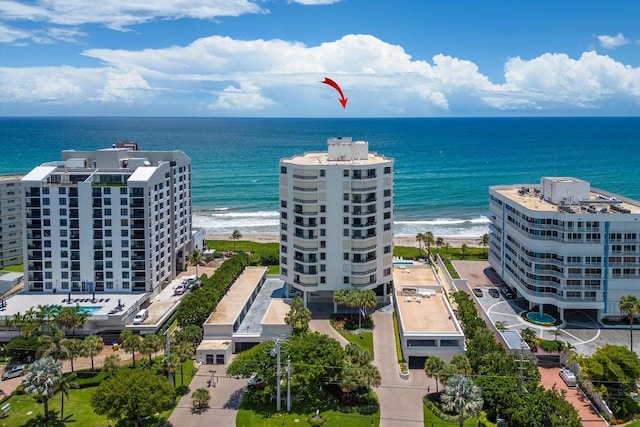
(266, 58)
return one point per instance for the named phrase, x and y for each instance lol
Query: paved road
(400, 399)
(323, 326)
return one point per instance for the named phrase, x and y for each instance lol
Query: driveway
(400, 399)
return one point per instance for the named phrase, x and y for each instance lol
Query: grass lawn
(363, 339)
(432, 420)
(25, 411)
(250, 416)
(18, 268)
(397, 334)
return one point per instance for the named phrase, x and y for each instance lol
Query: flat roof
(513, 339)
(322, 158)
(532, 201)
(214, 344)
(39, 173)
(13, 177)
(276, 312)
(417, 313)
(236, 298)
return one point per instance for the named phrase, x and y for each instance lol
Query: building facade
(566, 245)
(10, 220)
(336, 220)
(112, 220)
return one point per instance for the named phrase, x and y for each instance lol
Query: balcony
(306, 281)
(363, 177)
(309, 236)
(363, 260)
(364, 224)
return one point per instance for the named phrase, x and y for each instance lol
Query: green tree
(447, 246)
(40, 380)
(55, 345)
(195, 258)
(188, 333)
(358, 372)
(151, 343)
(439, 242)
(200, 398)
(184, 351)
(433, 367)
(235, 236)
(170, 366)
(92, 346)
(461, 396)
(428, 242)
(463, 250)
(420, 239)
(64, 384)
(134, 394)
(298, 316)
(484, 240)
(461, 364)
(75, 347)
(111, 365)
(630, 306)
(131, 342)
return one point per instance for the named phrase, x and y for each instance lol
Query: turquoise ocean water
(443, 167)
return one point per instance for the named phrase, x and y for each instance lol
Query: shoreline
(399, 240)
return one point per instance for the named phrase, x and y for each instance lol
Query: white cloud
(612, 42)
(118, 14)
(10, 35)
(245, 98)
(276, 77)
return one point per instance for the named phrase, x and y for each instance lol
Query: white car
(180, 289)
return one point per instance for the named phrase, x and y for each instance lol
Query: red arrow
(334, 85)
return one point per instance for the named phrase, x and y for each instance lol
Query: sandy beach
(454, 242)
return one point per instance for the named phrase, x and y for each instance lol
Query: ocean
(443, 167)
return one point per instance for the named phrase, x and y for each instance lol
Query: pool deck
(20, 303)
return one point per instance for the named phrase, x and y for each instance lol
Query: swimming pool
(402, 262)
(88, 309)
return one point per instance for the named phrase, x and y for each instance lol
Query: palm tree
(151, 344)
(358, 370)
(501, 325)
(447, 246)
(75, 347)
(200, 398)
(131, 342)
(55, 345)
(439, 242)
(428, 242)
(420, 239)
(298, 316)
(195, 259)
(433, 367)
(184, 351)
(170, 366)
(630, 305)
(92, 346)
(484, 241)
(65, 383)
(463, 250)
(556, 333)
(461, 396)
(364, 300)
(235, 235)
(111, 365)
(41, 378)
(461, 362)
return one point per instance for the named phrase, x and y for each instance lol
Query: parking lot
(582, 331)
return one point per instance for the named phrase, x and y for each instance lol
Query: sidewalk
(400, 399)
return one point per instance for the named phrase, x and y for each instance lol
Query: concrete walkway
(226, 397)
(323, 326)
(400, 399)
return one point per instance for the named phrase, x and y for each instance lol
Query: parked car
(180, 289)
(568, 377)
(494, 292)
(255, 382)
(508, 293)
(14, 371)
(478, 291)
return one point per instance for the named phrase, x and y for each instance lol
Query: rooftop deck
(421, 313)
(236, 298)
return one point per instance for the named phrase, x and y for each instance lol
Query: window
(63, 211)
(387, 249)
(387, 193)
(123, 190)
(123, 201)
(63, 233)
(387, 169)
(125, 254)
(323, 208)
(345, 280)
(283, 169)
(345, 173)
(124, 212)
(387, 227)
(345, 209)
(322, 172)
(345, 220)
(107, 211)
(283, 203)
(387, 204)
(345, 232)
(125, 264)
(345, 256)
(107, 233)
(387, 215)
(124, 233)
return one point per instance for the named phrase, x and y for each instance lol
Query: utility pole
(276, 350)
(289, 385)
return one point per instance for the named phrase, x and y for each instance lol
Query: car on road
(180, 289)
(494, 292)
(568, 377)
(478, 291)
(14, 371)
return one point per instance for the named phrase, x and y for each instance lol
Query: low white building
(426, 322)
(9, 280)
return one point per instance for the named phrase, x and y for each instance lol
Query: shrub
(316, 420)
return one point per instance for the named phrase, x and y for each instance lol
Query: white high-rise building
(10, 220)
(564, 244)
(336, 220)
(112, 220)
